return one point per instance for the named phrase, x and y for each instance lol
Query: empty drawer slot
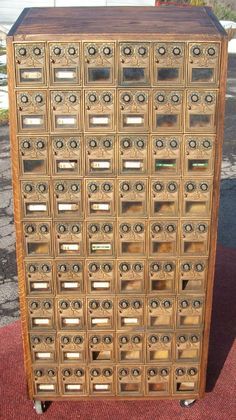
(196, 207)
(132, 208)
(159, 355)
(194, 247)
(185, 386)
(200, 120)
(186, 320)
(134, 74)
(131, 285)
(130, 387)
(99, 74)
(165, 207)
(167, 120)
(168, 74)
(38, 248)
(191, 284)
(101, 355)
(130, 355)
(187, 354)
(132, 247)
(158, 387)
(160, 320)
(161, 285)
(163, 247)
(34, 166)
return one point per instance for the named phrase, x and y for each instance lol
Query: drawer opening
(187, 354)
(165, 165)
(185, 386)
(156, 355)
(165, 207)
(134, 74)
(130, 355)
(194, 247)
(63, 166)
(168, 74)
(65, 74)
(201, 74)
(158, 285)
(34, 166)
(201, 120)
(162, 247)
(131, 285)
(189, 320)
(160, 320)
(167, 120)
(28, 75)
(132, 247)
(157, 387)
(130, 387)
(38, 248)
(132, 165)
(99, 74)
(196, 207)
(130, 208)
(101, 355)
(191, 284)
(198, 165)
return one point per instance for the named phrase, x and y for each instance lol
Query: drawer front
(131, 276)
(30, 64)
(45, 380)
(190, 312)
(134, 64)
(67, 155)
(34, 156)
(133, 110)
(133, 197)
(192, 275)
(169, 60)
(165, 197)
(100, 276)
(36, 199)
(167, 114)
(100, 155)
(100, 110)
(65, 110)
(100, 197)
(65, 67)
(199, 154)
(185, 379)
(39, 277)
(73, 380)
(161, 313)
(67, 198)
(159, 347)
(132, 238)
(72, 347)
(69, 239)
(203, 63)
(100, 314)
(162, 275)
(99, 63)
(41, 314)
(43, 347)
(101, 239)
(37, 237)
(32, 111)
(69, 276)
(133, 155)
(157, 380)
(70, 314)
(130, 315)
(201, 111)
(101, 347)
(163, 238)
(194, 238)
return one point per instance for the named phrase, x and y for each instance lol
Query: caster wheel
(187, 403)
(39, 407)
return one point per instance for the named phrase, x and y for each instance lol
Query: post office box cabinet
(132, 238)
(203, 63)
(41, 313)
(67, 198)
(133, 197)
(159, 347)
(192, 275)
(34, 156)
(194, 237)
(165, 155)
(133, 155)
(160, 312)
(130, 313)
(162, 276)
(39, 277)
(43, 347)
(100, 110)
(134, 64)
(69, 239)
(196, 197)
(199, 152)
(188, 346)
(163, 238)
(36, 199)
(37, 239)
(167, 112)
(65, 67)
(157, 380)
(101, 239)
(70, 314)
(133, 110)
(190, 311)
(164, 196)
(67, 155)
(32, 111)
(72, 347)
(130, 348)
(30, 64)
(65, 109)
(201, 111)
(131, 276)
(130, 380)
(100, 314)
(185, 379)
(100, 197)
(45, 380)
(73, 380)
(69, 277)
(100, 276)
(101, 348)
(168, 69)
(101, 380)
(100, 155)
(99, 63)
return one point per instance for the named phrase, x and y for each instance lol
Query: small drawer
(162, 276)
(70, 314)
(66, 114)
(67, 198)
(132, 238)
(30, 64)
(69, 277)
(164, 197)
(37, 239)
(133, 110)
(39, 277)
(201, 111)
(169, 63)
(131, 276)
(36, 199)
(73, 380)
(102, 380)
(41, 314)
(203, 63)
(190, 312)
(100, 110)
(192, 275)
(194, 238)
(69, 239)
(34, 156)
(100, 197)
(99, 63)
(133, 197)
(133, 155)
(100, 276)
(159, 347)
(130, 348)
(65, 66)
(130, 380)
(72, 347)
(101, 239)
(185, 379)
(134, 64)
(196, 197)
(199, 155)
(100, 314)
(100, 155)
(157, 380)
(163, 238)
(43, 347)
(161, 311)
(166, 155)
(130, 314)
(45, 380)
(32, 111)
(167, 111)
(188, 346)
(67, 155)
(101, 348)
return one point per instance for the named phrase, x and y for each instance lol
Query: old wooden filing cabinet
(116, 135)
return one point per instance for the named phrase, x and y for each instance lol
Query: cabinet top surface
(166, 20)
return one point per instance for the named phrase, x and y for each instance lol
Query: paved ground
(9, 309)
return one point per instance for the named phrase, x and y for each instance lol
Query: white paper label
(32, 121)
(73, 355)
(134, 120)
(70, 284)
(67, 74)
(40, 285)
(37, 207)
(100, 206)
(46, 387)
(43, 355)
(71, 321)
(70, 247)
(66, 121)
(132, 164)
(100, 165)
(101, 387)
(101, 284)
(99, 120)
(100, 321)
(73, 387)
(130, 320)
(66, 165)
(101, 247)
(67, 206)
(41, 321)
(31, 75)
